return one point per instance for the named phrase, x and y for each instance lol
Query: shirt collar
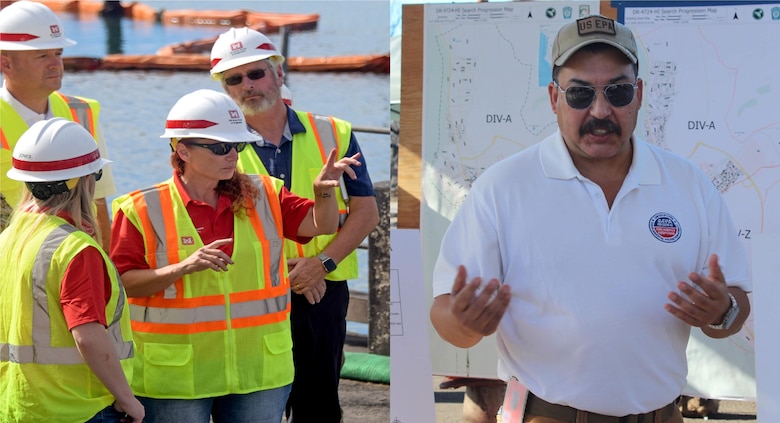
(293, 126)
(222, 203)
(28, 115)
(558, 164)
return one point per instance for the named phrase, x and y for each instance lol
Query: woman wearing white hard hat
(201, 255)
(63, 321)
(32, 39)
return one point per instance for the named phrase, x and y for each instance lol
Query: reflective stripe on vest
(80, 111)
(171, 312)
(308, 150)
(327, 138)
(41, 351)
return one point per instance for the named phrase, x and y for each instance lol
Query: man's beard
(252, 107)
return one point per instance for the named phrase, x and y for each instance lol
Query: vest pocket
(168, 370)
(278, 365)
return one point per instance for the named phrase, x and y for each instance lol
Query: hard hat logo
(236, 46)
(234, 114)
(55, 31)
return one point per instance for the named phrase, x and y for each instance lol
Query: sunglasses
(98, 174)
(220, 148)
(254, 75)
(618, 95)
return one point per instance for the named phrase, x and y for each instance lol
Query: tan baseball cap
(592, 30)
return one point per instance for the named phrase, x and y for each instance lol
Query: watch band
(728, 318)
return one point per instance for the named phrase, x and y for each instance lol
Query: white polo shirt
(586, 326)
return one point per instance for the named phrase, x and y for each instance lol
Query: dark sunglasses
(254, 75)
(98, 174)
(618, 95)
(220, 148)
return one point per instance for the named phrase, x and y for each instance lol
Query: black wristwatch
(327, 263)
(728, 318)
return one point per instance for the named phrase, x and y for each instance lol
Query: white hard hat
(239, 46)
(28, 25)
(55, 150)
(207, 114)
(286, 95)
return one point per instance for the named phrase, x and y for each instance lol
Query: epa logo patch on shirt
(665, 227)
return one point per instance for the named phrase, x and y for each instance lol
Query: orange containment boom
(269, 22)
(373, 63)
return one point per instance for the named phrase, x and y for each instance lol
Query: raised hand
(701, 307)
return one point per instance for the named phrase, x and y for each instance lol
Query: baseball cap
(592, 30)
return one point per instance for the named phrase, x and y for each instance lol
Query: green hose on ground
(366, 367)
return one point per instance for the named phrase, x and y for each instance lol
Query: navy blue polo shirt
(278, 160)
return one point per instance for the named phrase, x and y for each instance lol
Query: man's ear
(552, 90)
(5, 62)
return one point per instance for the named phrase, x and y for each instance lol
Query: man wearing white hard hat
(64, 325)
(32, 39)
(201, 256)
(292, 144)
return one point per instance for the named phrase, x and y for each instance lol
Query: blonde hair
(76, 202)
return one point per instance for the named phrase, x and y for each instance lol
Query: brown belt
(536, 406)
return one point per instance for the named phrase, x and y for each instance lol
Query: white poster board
(707, 97)
(411, 391)
(766, 291)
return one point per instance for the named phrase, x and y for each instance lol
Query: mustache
(246, 94)
(600, 124)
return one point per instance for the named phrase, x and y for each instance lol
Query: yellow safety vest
(211, 333)
(85, 111)
(310, 152)
(43, 377)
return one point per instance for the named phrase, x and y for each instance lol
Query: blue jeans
(107, 415)
(258, 407)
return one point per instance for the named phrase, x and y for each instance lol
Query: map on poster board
(711, 95)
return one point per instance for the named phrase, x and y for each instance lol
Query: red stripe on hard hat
(214, 62)
(266, 46)
(56, 164)
(17, 37)
(184, 124)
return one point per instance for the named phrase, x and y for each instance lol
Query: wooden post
(379, 275)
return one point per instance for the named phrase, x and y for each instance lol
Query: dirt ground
(363, 402)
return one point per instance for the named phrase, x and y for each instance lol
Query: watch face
(328, 263)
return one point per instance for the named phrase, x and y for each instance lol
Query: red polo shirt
(84, 292)
(127, 245)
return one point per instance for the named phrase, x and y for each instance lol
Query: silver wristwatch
(728, 318)
(327, 263)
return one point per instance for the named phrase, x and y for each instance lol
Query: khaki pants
(540, 411)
